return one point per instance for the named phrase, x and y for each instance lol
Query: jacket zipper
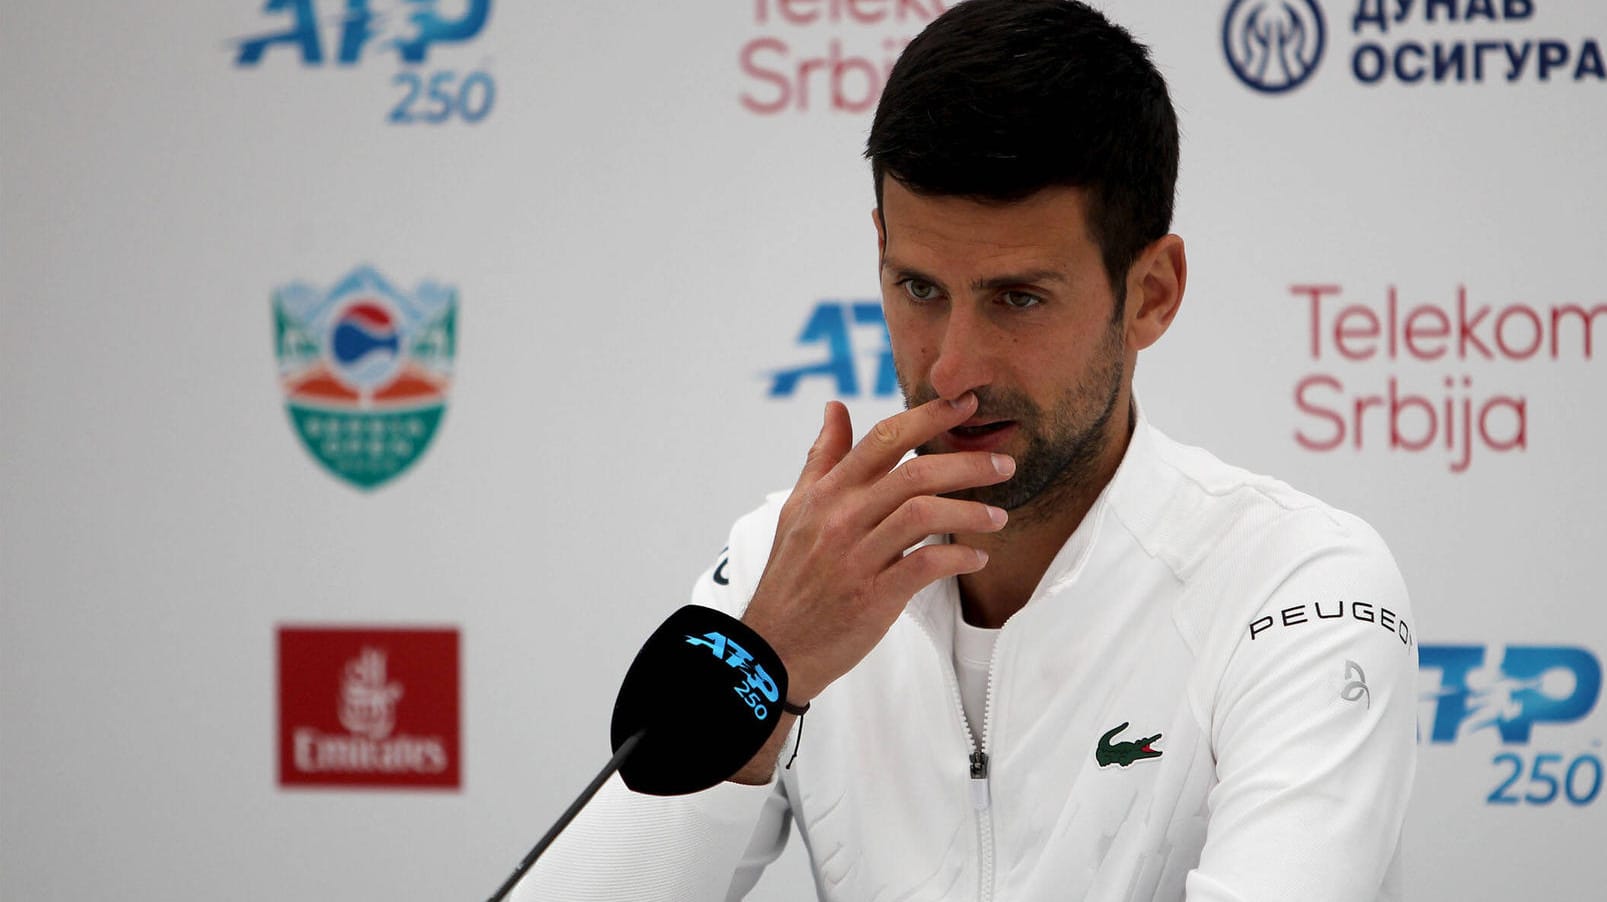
(984, 823)
(979, 777)
(977, 762)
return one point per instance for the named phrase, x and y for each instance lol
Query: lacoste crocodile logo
(1124, 753)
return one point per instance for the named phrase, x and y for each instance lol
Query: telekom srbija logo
(365, 706)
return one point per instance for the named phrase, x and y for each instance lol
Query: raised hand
(838, 574)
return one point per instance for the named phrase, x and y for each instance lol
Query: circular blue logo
(1273, 45)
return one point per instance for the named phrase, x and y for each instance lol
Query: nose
(963, 355)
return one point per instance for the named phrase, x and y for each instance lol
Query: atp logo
(1532, 684)
(834, 325)
(1273, 46)
(409, 35)
(410, 29)
(757, 686)
(365, 370)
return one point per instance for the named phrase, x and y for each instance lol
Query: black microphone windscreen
(708, 690)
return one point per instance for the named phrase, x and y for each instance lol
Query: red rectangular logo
(368, 707)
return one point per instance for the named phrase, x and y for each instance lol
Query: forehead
(1048, 228)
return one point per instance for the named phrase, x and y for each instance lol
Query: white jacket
(1263, 635)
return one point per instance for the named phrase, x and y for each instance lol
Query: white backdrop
(638, 226)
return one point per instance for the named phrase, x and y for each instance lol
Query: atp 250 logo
(756, 682)
(410, 29)
(1522, 693)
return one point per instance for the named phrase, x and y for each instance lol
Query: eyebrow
(1026, 277)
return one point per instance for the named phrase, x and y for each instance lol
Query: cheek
(911, 366)
(912, 345)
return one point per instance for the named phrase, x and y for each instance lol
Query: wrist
(801, 689)
(762, 767)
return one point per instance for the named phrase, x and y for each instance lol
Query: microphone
(708, 691)
(700, 700)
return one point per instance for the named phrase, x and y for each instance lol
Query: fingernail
(981, 557)
(997, 515)
(1004, 463)
(962, 401)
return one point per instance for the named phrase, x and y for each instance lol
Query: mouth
(979, 430)
(979, 435)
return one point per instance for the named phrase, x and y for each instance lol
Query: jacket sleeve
(626, 847)
(713, 844)
(1313, 730)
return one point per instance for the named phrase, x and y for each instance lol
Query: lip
(988, 441)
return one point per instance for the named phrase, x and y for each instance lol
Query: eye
(1020, 300)
(919, 290)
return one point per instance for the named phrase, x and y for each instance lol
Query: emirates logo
(367, 698)
(368, 707)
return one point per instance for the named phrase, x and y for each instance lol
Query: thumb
(831, 445)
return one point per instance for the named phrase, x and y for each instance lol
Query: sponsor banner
(1276, 46)
(369, 707)
(1429, 372)
(365, 370)
(824, 55)
(416, 40)
(1528, 708)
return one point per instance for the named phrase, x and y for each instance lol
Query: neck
(1019, 554)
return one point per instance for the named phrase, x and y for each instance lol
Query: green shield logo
(365, 370)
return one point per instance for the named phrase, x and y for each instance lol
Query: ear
(881, 232)
(1155, 291)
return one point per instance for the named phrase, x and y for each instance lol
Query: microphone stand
(625, 748)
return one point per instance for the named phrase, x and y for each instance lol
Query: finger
(928, 515)
(936, 474)
(835, 438)
(879, 451)
(924, 566)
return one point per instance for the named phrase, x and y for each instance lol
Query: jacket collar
(1135, 495)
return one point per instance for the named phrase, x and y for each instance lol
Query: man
(1054, 654)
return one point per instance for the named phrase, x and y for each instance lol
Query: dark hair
(998, 99)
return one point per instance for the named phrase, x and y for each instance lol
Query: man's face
(1010, 301)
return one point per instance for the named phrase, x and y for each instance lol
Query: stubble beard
(1065, 446)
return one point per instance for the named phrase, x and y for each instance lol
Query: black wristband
(791, 708)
